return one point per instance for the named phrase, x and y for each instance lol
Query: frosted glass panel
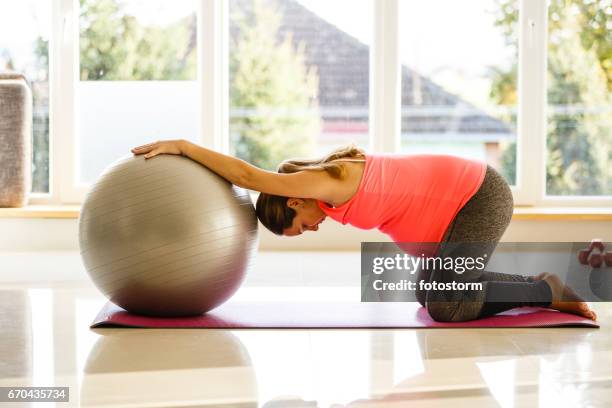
(116, 116)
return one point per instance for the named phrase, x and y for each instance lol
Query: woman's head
(287, 215)
(292, 215)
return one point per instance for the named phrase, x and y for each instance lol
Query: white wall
(24, 234)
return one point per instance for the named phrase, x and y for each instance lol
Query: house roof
(342, 63)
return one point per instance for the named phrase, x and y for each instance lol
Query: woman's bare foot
(540, 276)
(564, 299)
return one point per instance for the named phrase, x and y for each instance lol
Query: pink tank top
(411, 198)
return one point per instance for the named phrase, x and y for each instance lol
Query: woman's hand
(160, 147)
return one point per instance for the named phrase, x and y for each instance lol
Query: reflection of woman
(420, 198)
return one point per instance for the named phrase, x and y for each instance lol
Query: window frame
(385, 96)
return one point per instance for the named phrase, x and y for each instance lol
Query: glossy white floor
(46, 341)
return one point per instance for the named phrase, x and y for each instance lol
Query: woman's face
(308, 216)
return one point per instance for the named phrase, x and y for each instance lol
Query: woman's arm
(317, 184)
(228, 167)
(303, 184)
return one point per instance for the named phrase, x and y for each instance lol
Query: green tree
(504, 93)
(576, 141)
(115, 46)
(579, 73)
(272, 84)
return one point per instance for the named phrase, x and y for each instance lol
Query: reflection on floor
(46, 341)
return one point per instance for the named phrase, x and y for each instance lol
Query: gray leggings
(482, 221)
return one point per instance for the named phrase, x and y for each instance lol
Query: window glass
(25, 26)
(299, 77)
(137, 78)
(579, 131)
(459, 64)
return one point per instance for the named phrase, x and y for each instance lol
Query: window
(137, 78)
(522, 84)
(299, 78)
(24, 47)
(458, 74)
(579, 131)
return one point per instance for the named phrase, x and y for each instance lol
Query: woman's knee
(421, 296)
(454, 311)
(442, 311)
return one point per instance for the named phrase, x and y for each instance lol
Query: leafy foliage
(115, 46)
(272, 92)
(579, 134)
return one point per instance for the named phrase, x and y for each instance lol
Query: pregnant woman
(411, 198)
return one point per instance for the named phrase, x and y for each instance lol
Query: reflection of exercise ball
(166, 236)
(143, 367)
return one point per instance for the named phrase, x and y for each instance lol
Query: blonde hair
(273, 211)
(336, 170)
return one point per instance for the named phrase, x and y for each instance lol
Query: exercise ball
(166, 236)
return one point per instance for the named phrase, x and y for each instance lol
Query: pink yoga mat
(331, 315)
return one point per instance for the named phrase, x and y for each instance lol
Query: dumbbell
(608, 258)
(596, 244)
(583, 256)
(595, 259)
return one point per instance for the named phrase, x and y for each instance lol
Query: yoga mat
(250, 314)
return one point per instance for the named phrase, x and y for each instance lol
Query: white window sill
(520, 212)
(42, 211)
